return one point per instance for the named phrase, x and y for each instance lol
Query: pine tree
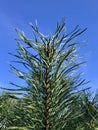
(49, 100)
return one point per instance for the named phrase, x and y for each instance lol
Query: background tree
(6, 110)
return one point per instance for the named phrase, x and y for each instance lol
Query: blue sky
(18, 14)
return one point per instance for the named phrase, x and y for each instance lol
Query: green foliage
(53, 98)
(6, 113)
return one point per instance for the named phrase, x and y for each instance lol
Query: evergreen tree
(50, 100)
